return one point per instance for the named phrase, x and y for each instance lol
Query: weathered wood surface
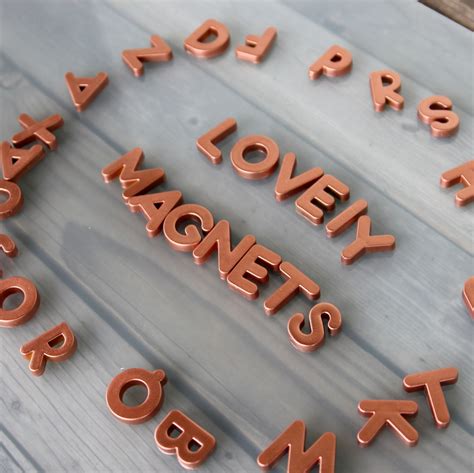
(134, 302)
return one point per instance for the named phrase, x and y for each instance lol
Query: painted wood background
(133, 302)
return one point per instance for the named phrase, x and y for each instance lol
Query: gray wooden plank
(63, 224)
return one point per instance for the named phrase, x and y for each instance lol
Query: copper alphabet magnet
(388, 413)
(153, 382)
(83, 90)
(28, 306)
(346, 218)
(296, 281)
(256, 47)
(365, 242)
(249, 266)
(14, 201)
(463, 174)
(384, 87)
(311, 341)
(57, 344)
(41, 130)
(206, 143)
(468, 295)
(7, 245)
(191, 237)
(322, 192)
(287, 184)
(192, 445)
(18, 161)
(159, 52)
(432, 382)
(292, 441)
(219, 238)
(336, 61)
(436, 112)
(262, 169)
(197, 45)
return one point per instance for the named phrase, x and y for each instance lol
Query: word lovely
(243, 267)
(320, 190)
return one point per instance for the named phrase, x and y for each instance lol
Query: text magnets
(436, 112)
(159, 52)
(468, 295)
(336, 61)
(192, 444)
(84, 90)
(391, 413)
(464, 175)
(384, 87)
(432, 382)
(211, 39)
(322, 452)
(17, 161)
(57, 344)
(256, 47)
(153, 382)
(27, 307)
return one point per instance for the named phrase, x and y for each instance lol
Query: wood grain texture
(134, 302)
(461, 11)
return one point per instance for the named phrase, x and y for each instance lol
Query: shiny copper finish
(307, 342)
(155, 215)
(159, 52)
(292, 440)
(41, 130)
(191, 237)
(468, 295)
(391, 413)
(14, 201)
(336, 61)
(464, 175)
(132, 180)
(249, 265)
(432, 382)
(190, 434)
(206, 143)
(153, 382)
(219, 238)
(256, 47)
(18, 161)
(318, 194)
(45, 347)
(296, 282)
(287, 184)
(262, 169)
(384, 87)
(365, 242)
(196, 45)
(346, 218)
(7, 245)
(436, 112)
(28, 306)
(84, 90)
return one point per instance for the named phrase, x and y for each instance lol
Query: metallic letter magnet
(384, 87)
(468, 295)
(336, 61)
(464, 175)
(256, 47)
(152, 380)
(83, 90)
(28, 306)
(436, 112)
(14, 201)
(7, 245)
(196, 44)
(41, 130)
(206, 143)
(18, 161)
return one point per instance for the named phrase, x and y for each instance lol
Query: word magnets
(244, 266)
(14, 201)
(191, 446)
(463, 174)
(468, 295)
(394, 413)
(319, 190)
(83, 90)
(292, 440)
(390, 413)
(56, 344)
(159, 52)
